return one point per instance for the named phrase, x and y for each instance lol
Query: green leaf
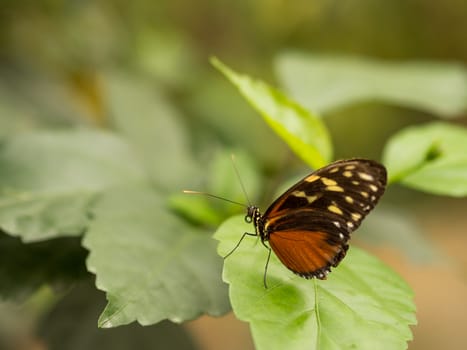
(232, 120)
(49, 179)
(303, 131)
(362, 305)
(142, 114)
(323, 83)
(195, 208)
(31, 101)
(227, 176)
(430, 158)
(152, 265)
(223, 181)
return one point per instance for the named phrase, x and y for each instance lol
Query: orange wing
(307, 253)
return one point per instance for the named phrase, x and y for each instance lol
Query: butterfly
(308, 227)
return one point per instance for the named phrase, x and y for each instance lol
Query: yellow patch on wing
(328, 182)
(312, 178)
(335, 209)
(365, 176)
(334, 188)
(302, 194)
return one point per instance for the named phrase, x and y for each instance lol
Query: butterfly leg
(266, 267)
(238, 244)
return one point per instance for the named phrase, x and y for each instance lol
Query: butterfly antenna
(232, 156)
(214, 196)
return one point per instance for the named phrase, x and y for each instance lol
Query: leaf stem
(318, 320)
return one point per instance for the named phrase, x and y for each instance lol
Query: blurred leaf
(303, 131)
(13, 118)
(50, 177)
(37, 99)
(26, 267)
(18, 113)
(151, 265)
(227, 177)
(387, 226)
(227, 118)
(362, 305)
(323, 83)
(141, 113)
(430, 158)
(168, 56)
(196, 208)
(222, 181)
(84, 302)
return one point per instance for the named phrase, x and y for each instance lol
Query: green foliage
(362, 304)
(63, 182)
(109, 109)
(303, 131)
(50, 177)
(150, 247)
(152, 265)
(323, 83)
(144, 117)
(430, 158)
(220, 176)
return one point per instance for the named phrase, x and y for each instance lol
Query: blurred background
(56, 56)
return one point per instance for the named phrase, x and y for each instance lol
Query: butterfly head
(252, 214)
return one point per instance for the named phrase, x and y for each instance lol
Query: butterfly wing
(308, 227)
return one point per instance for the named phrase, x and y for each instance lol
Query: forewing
(343, 192)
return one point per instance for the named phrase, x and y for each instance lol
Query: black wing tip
(374, 164)
(370, 162)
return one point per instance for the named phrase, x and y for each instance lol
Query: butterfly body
(308, 227)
